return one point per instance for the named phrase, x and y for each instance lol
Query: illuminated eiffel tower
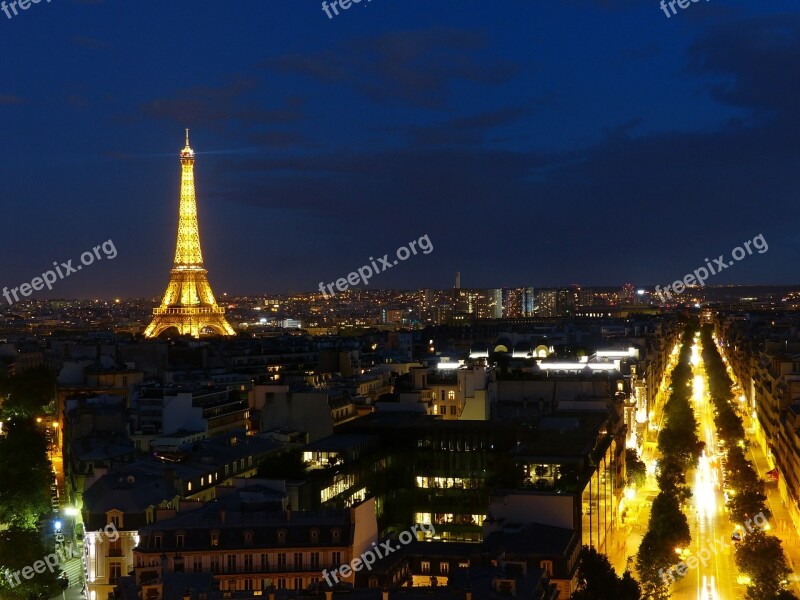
(188, 305)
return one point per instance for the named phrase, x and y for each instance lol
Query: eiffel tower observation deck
(189, 306)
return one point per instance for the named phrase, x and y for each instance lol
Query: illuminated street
(708, 520)
(781, 521)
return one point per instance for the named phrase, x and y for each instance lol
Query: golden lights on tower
(189, 305)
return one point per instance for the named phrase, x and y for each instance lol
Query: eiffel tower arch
(188, 305)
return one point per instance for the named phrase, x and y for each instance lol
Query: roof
(531, 540)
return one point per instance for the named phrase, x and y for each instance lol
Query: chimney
(385, 595)
(468, 595)
(328, 594)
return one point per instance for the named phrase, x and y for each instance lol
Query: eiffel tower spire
(189, 304)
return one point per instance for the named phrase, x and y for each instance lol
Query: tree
(668, 522)
(597, 579)
(761, 557)
(652, 560)
(23, 495)
(21, 548)
(636, 469)
(28, 393)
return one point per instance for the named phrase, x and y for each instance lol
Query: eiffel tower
(188, 305)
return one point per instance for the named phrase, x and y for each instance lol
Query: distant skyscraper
(188, 305)
(458, 280)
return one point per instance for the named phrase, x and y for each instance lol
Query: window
(451, 395)
(336, 534)
(226, 470)
(158, 541)
(116, 520)
(298, 583)
(232, 563)
(547, 567)
(314, 536)
(315, 560)
(453, 409)
(264, 562)
(281, 536)
(248, 585)
(336, 559)
(248, 563)
(281, 560)
(249, 461)
(426, 566)
(444, 568)
(115, 572)
(248, 537)
(179, 540)
(298, 560)
(281, 583)
(433, 396)
(215, 538)
(463, 565)
(197, 564)
(189, 486)
(215, 564)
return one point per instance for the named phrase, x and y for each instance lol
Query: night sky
(536, 143)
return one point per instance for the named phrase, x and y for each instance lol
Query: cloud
(752, 63)
(88, 42)
(223, 106)
(9, 99)
(472, 129)
(413, 68)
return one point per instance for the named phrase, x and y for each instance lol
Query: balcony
(309, 569)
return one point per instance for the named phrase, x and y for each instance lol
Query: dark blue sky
(536, 143)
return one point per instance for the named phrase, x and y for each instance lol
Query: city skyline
(507, 143)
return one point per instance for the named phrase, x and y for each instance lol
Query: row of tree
(680, 449)
(758, 555)
(26, 475)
